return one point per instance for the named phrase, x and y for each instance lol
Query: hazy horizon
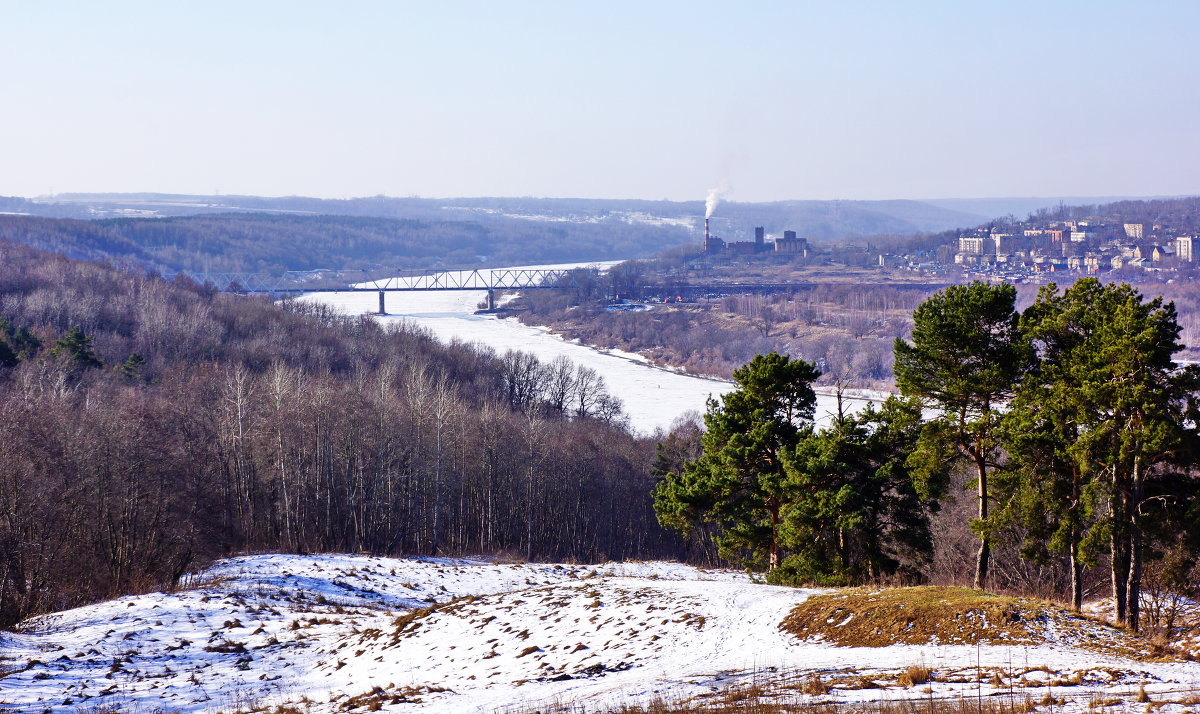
(700, 200)
(785, 101)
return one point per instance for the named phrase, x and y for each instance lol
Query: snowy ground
(272, 629)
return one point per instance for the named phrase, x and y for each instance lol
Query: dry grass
(814, 686)
(931, 615)
(380, 697)
(407, 624)
(913, 675)
(764, 697)
(863, 617)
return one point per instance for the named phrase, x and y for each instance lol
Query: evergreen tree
(132, 366)
(22, 341)
(76, 348)
(966, 355)
(858, 511)
(1049, 487)
(8, 358)
(1099, 425)
(738, 483)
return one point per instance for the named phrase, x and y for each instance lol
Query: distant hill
(172, 232)
(816, 220)
(989, 208)
(826, 221)
(274, 243)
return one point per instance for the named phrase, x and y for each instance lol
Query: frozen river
(653, 397)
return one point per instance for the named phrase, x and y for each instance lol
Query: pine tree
(1049, 488)
(76, 348)
(8, 358)
(738, 483)
(132, 366)
(1101, 424)
(858, 510)
(23, 342)
(965, 358)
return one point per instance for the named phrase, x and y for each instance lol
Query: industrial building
(788, 244)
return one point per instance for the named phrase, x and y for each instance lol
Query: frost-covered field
(340, 631)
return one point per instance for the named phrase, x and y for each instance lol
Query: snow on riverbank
(653, 397)
(448, 635)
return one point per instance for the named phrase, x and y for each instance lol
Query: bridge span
(338, 281)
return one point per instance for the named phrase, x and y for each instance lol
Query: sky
(606, 99)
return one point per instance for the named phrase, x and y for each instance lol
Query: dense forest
(148, 426)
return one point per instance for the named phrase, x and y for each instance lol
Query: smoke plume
(714, 197)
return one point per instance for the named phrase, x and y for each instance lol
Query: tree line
(148, 426)
(1078, 429)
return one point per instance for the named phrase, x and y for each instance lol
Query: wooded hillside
(272, 243)
(147, 426)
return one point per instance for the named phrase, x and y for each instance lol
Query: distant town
(1041, 249)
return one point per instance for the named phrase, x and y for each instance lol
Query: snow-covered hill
(339, 632)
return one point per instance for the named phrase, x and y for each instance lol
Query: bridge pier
(491, 300)
(382, 308)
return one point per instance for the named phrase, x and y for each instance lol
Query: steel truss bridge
(336, 281)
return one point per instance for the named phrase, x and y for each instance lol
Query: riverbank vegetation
(843, 328)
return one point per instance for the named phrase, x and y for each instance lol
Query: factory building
(788, 244)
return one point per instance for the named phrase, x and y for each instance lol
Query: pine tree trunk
(981, 560)
(773, 555)
(1133, 587)
(1119, 557)
(845, 555)
(1133, 583)
(1076, 574)
(1076, 561)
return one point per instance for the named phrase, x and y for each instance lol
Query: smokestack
(706, 234)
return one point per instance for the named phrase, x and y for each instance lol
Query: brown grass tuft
(814, 686)
(1141, 697)
(914, 675)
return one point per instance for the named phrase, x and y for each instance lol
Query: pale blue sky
(615, 99)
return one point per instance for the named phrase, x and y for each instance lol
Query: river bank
(653, 397)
